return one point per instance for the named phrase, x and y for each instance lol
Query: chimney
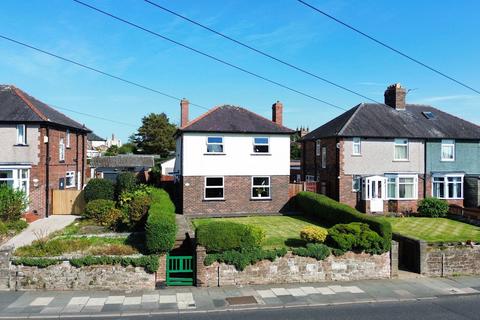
(395, 96)
(184, 103)
(277, 112)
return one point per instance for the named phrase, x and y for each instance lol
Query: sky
(442, 34)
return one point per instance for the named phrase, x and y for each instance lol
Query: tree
(112, 151)
(155, 136)
(127, 148)
(295, 148)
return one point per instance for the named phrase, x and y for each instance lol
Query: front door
(376, 189)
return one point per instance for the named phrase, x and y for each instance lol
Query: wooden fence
(469, 213)
(294, 188)
(68, 202)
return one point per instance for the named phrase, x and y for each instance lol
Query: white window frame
(71, 175)
(205, 187)
(215, 143)
(61, 150)
(261, 186)
(356, 142)
(67, 138)
(261, 144)
(447, 143)
(323, 159)
(397, 178)
(22, 140)
(317, 147)
(396, 144)
(359, 180)
(17, 178)
(445, 183)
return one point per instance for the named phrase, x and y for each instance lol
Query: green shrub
(161, 227)
(245, 257)
(433, 207)
(318, 251)
(3, 229)
(219, 236)
(313, 234)
(98, 189)
(136, 210)
(98, 209)
(126, 182)
(13, 203)
(111, 218)
(149, 263)
(332, 212)
(355, 236)
(35, 262)
(17, 225)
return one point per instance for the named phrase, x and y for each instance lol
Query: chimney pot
(184, 106)
(277, 113)
(395, 96)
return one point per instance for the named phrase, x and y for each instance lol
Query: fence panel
(68, 202)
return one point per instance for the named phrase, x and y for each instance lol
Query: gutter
(47, 174)
(425, 169)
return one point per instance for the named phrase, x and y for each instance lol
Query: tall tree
(155, 136)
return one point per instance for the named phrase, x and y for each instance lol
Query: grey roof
(235, 120)
(93, 137)
(382, 121)
(18, 106)
(124, 161)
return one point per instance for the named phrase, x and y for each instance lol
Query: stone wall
(295, 269)
(450, 259)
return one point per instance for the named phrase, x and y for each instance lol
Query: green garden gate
(180, 270)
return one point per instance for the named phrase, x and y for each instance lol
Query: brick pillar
(201, 254)
(5, 254)
(394, 260)
(162, 270)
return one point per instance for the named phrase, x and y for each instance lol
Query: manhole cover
(241, 300)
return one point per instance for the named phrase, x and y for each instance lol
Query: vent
(428, 114)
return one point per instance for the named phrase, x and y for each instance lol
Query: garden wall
(295, 269)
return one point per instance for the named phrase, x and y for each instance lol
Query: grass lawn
(281, 231)
(435, 229)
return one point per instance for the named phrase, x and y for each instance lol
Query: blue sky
(443, 34)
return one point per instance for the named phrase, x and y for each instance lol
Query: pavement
(185, 300)
(39, 228)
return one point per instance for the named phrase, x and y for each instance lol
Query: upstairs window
(401, 149)
(213, 188)
(214, 144)
(261, 145)
(70, 179)
(357, 147)
(317, 147)
(67, 135)
(448, 150)
(21, 134)
(324, 157)
(61, 150)
(260, 187)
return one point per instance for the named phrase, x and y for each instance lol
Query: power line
(388, 46)
(96, 70)
(95, 117)
(259, 51)
(208, 55)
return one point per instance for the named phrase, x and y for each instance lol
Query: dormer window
(261, 145)
(21, 134)
(214, 144)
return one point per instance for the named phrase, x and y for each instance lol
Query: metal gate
(180, 270)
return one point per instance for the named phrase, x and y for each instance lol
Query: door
(376, 190)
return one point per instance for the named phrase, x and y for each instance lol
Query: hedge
(242, 259)
(161, 228)
(98, 189)
(333, 212)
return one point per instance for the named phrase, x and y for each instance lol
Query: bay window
(260, 187)
(15, 177)
(447, 186)
(401, 149)
(448, 150)
(402, 187)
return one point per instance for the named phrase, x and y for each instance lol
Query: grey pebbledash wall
(295, 269)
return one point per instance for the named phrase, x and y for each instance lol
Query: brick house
(384, 157)
(231, 160)
(42, 149)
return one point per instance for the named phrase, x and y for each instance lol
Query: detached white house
(231, 160)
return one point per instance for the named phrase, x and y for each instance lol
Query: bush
(219, 236)
(332, 212)
(245, 257)
(126, 182)
(355, 236)
(98, 210)
(149, 263)
(136, 211)
(318, 251)
(161, 228)
(313, 234)
(17, 225)
(111, 218)
(433, 207)
(35, 262)
(98, 189)
(3, 229)
(13, 203)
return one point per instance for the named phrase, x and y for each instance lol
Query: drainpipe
(47, 173)
(425, 169)
(337, 168)
(76, 159)
(315, 158)
(83, 160)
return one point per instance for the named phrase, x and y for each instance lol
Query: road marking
(42, 301)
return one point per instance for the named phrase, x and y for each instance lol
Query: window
(310, 178)
(324, 157)
(356, 183)
(17, 178)
(323, 187)
(401, 149)
(21, 134)
(214, 188)
(448, 150)
(447, 187)
(61, 150)
(260, 145)
(6, 178)
(402, 187)
(70, 179)
(23, 180)
(357, 147)
(428, 114)
(317, 147)
(260, 187)
(214, 144)
(68, 138)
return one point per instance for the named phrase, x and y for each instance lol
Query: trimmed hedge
(318, 251)
(161, 228)
(219, 236)
(242, 259)
(98, 189)
(35, 262)
(355, 236)
(333, 212)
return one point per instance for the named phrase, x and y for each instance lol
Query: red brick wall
(237, 192)
(308, 159)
